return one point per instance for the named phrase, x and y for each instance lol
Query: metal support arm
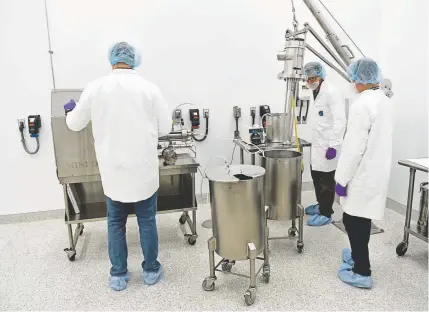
(339, 71)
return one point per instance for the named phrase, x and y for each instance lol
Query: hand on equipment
(331, 153)
(69, 106)
(341, 190)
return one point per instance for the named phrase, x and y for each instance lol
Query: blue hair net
(123, 52)
(314, 69)
(365, 71)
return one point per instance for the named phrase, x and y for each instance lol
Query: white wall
(405, 37)
(216, 54)
(28, 182)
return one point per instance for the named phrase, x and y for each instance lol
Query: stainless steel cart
(77, 171)
(414, 165)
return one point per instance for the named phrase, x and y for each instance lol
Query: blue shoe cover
(355, 280)
(319, 220)
(344, 267)
(151, 278)
(119, 283)
(346, 257)
(312, 210)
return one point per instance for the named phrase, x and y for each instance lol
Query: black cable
(205, 135)
(25, 146)
(253, 119)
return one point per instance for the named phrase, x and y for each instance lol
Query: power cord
(24, 145)
(205, 135)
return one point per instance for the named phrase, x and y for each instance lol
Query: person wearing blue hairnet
(128, 114)
(328, 121)
(363, 170)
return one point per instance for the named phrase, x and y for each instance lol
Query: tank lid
(234, 173)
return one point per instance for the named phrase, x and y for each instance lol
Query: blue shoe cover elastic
(119, 283)
(346, 257)
(355, 280)
(312, 210)
(319, 220)
(151, 278)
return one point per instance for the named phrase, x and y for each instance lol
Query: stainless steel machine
(78, 172)
(239, 222)
(281, 126)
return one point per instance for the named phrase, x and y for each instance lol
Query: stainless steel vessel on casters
(239, 221)
(283, 182)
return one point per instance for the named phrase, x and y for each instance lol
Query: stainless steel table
(402, 248)
(176, 194)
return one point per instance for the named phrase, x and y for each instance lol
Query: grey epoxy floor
(36, 275)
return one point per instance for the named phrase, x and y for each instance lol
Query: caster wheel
(292, 232)
(266, 278)
(401, 249)
(192, 240)
(226, 266)
(72, 258)
(208, 285)
(182, 220)
(300, 247)
(249, 297)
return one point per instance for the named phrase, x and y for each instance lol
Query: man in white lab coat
(364, 169)
(328, 122)
(128, 114)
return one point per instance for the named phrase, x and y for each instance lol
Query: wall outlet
(236, 112)
(253, 111)
(206, 113)
(21, 120)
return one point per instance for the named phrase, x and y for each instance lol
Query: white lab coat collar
(124, 71)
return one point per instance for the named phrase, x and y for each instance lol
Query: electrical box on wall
(34, 124)
(194, 116)
(263, 110)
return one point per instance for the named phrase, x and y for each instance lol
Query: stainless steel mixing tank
(239, 223)
(237, 206)
(283, 180)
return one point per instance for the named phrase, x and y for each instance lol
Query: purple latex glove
(341, 190)
(331, 153)
(68, 107)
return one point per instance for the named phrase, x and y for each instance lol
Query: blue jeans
(117, 213)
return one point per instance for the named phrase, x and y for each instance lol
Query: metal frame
(403, 246)
(227, 264)
(185, 218)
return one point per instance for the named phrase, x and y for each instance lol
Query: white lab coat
(128, 114)
(365, 162)
(328, 123)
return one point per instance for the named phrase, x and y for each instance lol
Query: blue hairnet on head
(365, 71)
(123, 52)
(314, 69)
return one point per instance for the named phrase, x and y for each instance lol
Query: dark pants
(359, 232)
(324, 186)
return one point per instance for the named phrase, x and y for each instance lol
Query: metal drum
(238, 210)
(283, 180)
(275, 127)
(422, 224)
